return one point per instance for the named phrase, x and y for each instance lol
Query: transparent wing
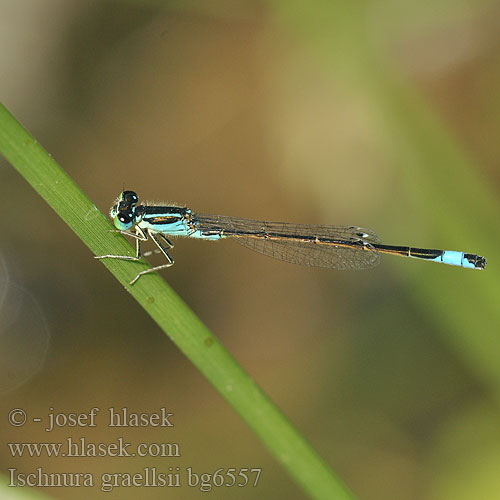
(310, 254)
(343, 247)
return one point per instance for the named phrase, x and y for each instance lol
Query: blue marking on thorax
(172, 221)
(174, 228)
(166, 220)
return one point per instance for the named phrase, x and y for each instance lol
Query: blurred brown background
(379, 114)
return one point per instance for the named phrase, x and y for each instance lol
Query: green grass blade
(173, 316)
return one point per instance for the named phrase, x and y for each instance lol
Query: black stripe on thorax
(152, 210)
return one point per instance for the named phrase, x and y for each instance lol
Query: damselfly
(336, 247)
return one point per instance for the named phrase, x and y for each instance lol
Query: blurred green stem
(173, 316)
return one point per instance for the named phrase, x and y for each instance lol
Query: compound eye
(123, 221)
(130, 197)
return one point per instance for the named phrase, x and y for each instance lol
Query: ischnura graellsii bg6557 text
(335, 247)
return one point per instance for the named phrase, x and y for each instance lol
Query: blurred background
(380, 114)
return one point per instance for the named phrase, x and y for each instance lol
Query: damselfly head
(122, 212)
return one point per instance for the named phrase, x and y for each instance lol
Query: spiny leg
(139, 236)
(161, 242)
(158, 238)
(167, 242)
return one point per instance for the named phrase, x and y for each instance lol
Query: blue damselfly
(335, 247)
